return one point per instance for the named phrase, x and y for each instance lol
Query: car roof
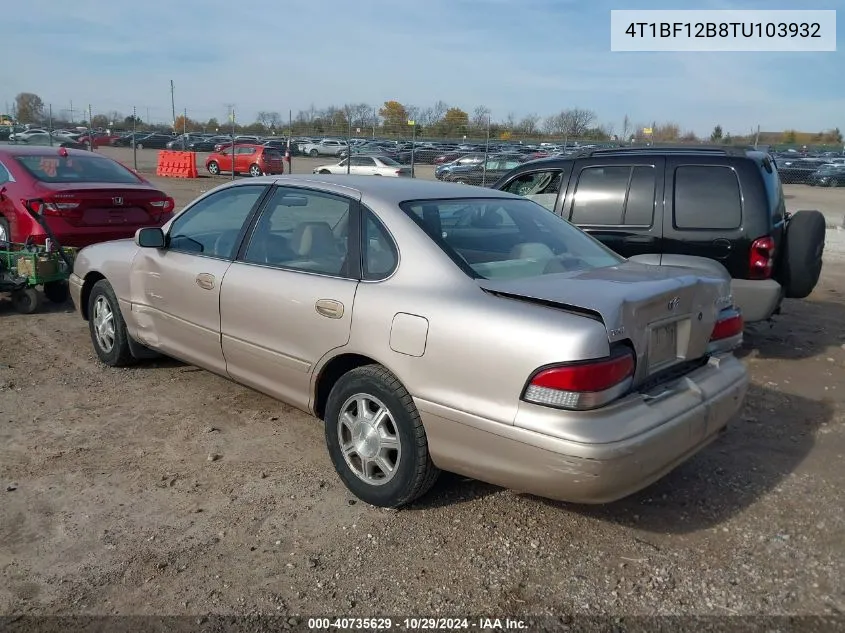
(389, 191)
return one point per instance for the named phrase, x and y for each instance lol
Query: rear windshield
(272, 154)
(500, 238)
(75, 168)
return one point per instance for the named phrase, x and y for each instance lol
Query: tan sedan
(432, 327)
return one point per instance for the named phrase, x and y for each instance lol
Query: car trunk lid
(97, 205)
(666, 313)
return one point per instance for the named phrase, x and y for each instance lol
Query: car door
(176, 290)
(287, 300)
(542, 185)
(363, 166)
(225, 159)
(617, 202)
(243, 159)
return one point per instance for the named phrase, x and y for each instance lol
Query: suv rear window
(75, 168)
(707, 197)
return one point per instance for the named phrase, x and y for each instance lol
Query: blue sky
(514, 56)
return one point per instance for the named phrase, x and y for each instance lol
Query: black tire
(119, 355)
(324, 171)
(56, 291)
(26, 301)
(313, 153)
(214, 168)
(460, 181)
(5, 230)
(255, 171)
(140, 146)
(803, 249)
(415, 472)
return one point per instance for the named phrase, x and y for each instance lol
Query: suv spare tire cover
(802, 260)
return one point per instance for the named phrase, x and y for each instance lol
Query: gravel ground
(163, 489)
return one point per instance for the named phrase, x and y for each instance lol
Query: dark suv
(713, 208)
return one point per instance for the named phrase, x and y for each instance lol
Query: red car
(255, 160)
(99, 139)
(86, 198)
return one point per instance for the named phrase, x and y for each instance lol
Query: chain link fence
(440, 135)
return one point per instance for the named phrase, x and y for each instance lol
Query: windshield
(502, 238)
(74, 168)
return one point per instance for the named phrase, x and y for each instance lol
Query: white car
(22, 136)
(366, 166)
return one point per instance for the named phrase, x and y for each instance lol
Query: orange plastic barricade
(177, 164)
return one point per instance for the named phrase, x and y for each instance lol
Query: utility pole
(71, 111)
(173, 104)
(232, 148)
(50, 123)
(134, 138)
(185, 127)
(487, 153)
(148, 118)
(90, 131)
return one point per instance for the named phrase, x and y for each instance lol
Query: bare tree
(528, 124)
(438, 111)
(510, 121)
(426, 117)
(480, 117)
(552, 124)
(413, 112)
(362, 115)
(626, 128)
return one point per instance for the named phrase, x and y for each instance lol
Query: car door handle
(329, 308)
(205, 281)
(640, 239)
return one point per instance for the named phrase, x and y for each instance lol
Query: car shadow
(46, 307)
(773, 435)
(805, 329)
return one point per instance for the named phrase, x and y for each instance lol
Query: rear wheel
(26, 301)
(213, 168)
(107, 327)
(313, 153)
(255, 171)
(140, 146)
(56, 291)
(802, 259)
(376, 439)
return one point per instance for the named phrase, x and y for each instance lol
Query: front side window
(211, 226)
(502, 238)
(302, 230)
(540, 186)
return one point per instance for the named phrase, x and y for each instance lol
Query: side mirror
(150, 237)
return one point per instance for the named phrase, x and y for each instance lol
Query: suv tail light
(762, 258)
(582, 385)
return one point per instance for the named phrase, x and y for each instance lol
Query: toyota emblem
(117, 201)
(674, 303)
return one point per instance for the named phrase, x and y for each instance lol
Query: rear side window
(75, 168)
(618, 195)
(707, 197)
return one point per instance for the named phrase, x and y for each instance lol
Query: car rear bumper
(591, 457)
(757, 299)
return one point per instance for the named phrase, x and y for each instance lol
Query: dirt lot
(110, 503)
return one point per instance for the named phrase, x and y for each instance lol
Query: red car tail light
(58, 205)
(728, 326)
(165, 206)
(582, 385)
(761, 258)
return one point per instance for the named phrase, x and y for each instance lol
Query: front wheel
(255, 171)
(140, 146)
(376, 438)
(107, 327)
(213, 168)
(324, 171)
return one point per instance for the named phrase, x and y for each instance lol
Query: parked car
(483, 173)
(153, 141)
(86, 197)
(23, 135)
(716, 209)
(832, 175)
(255, 160)
(97, 139)
(326, 147)
(366, 165)
(798, 171)
(52, 139)
(461, 161)
(431, 327)
(126, 140)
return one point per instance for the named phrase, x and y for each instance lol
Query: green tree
(455, 121)
(790, 137)
(395, 117)
(717, 134)
(30, 107)
(131, 120)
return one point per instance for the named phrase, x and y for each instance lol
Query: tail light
(164, 206)
(57, 206)
(762, 258)
(583, 385)
(729, 325)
